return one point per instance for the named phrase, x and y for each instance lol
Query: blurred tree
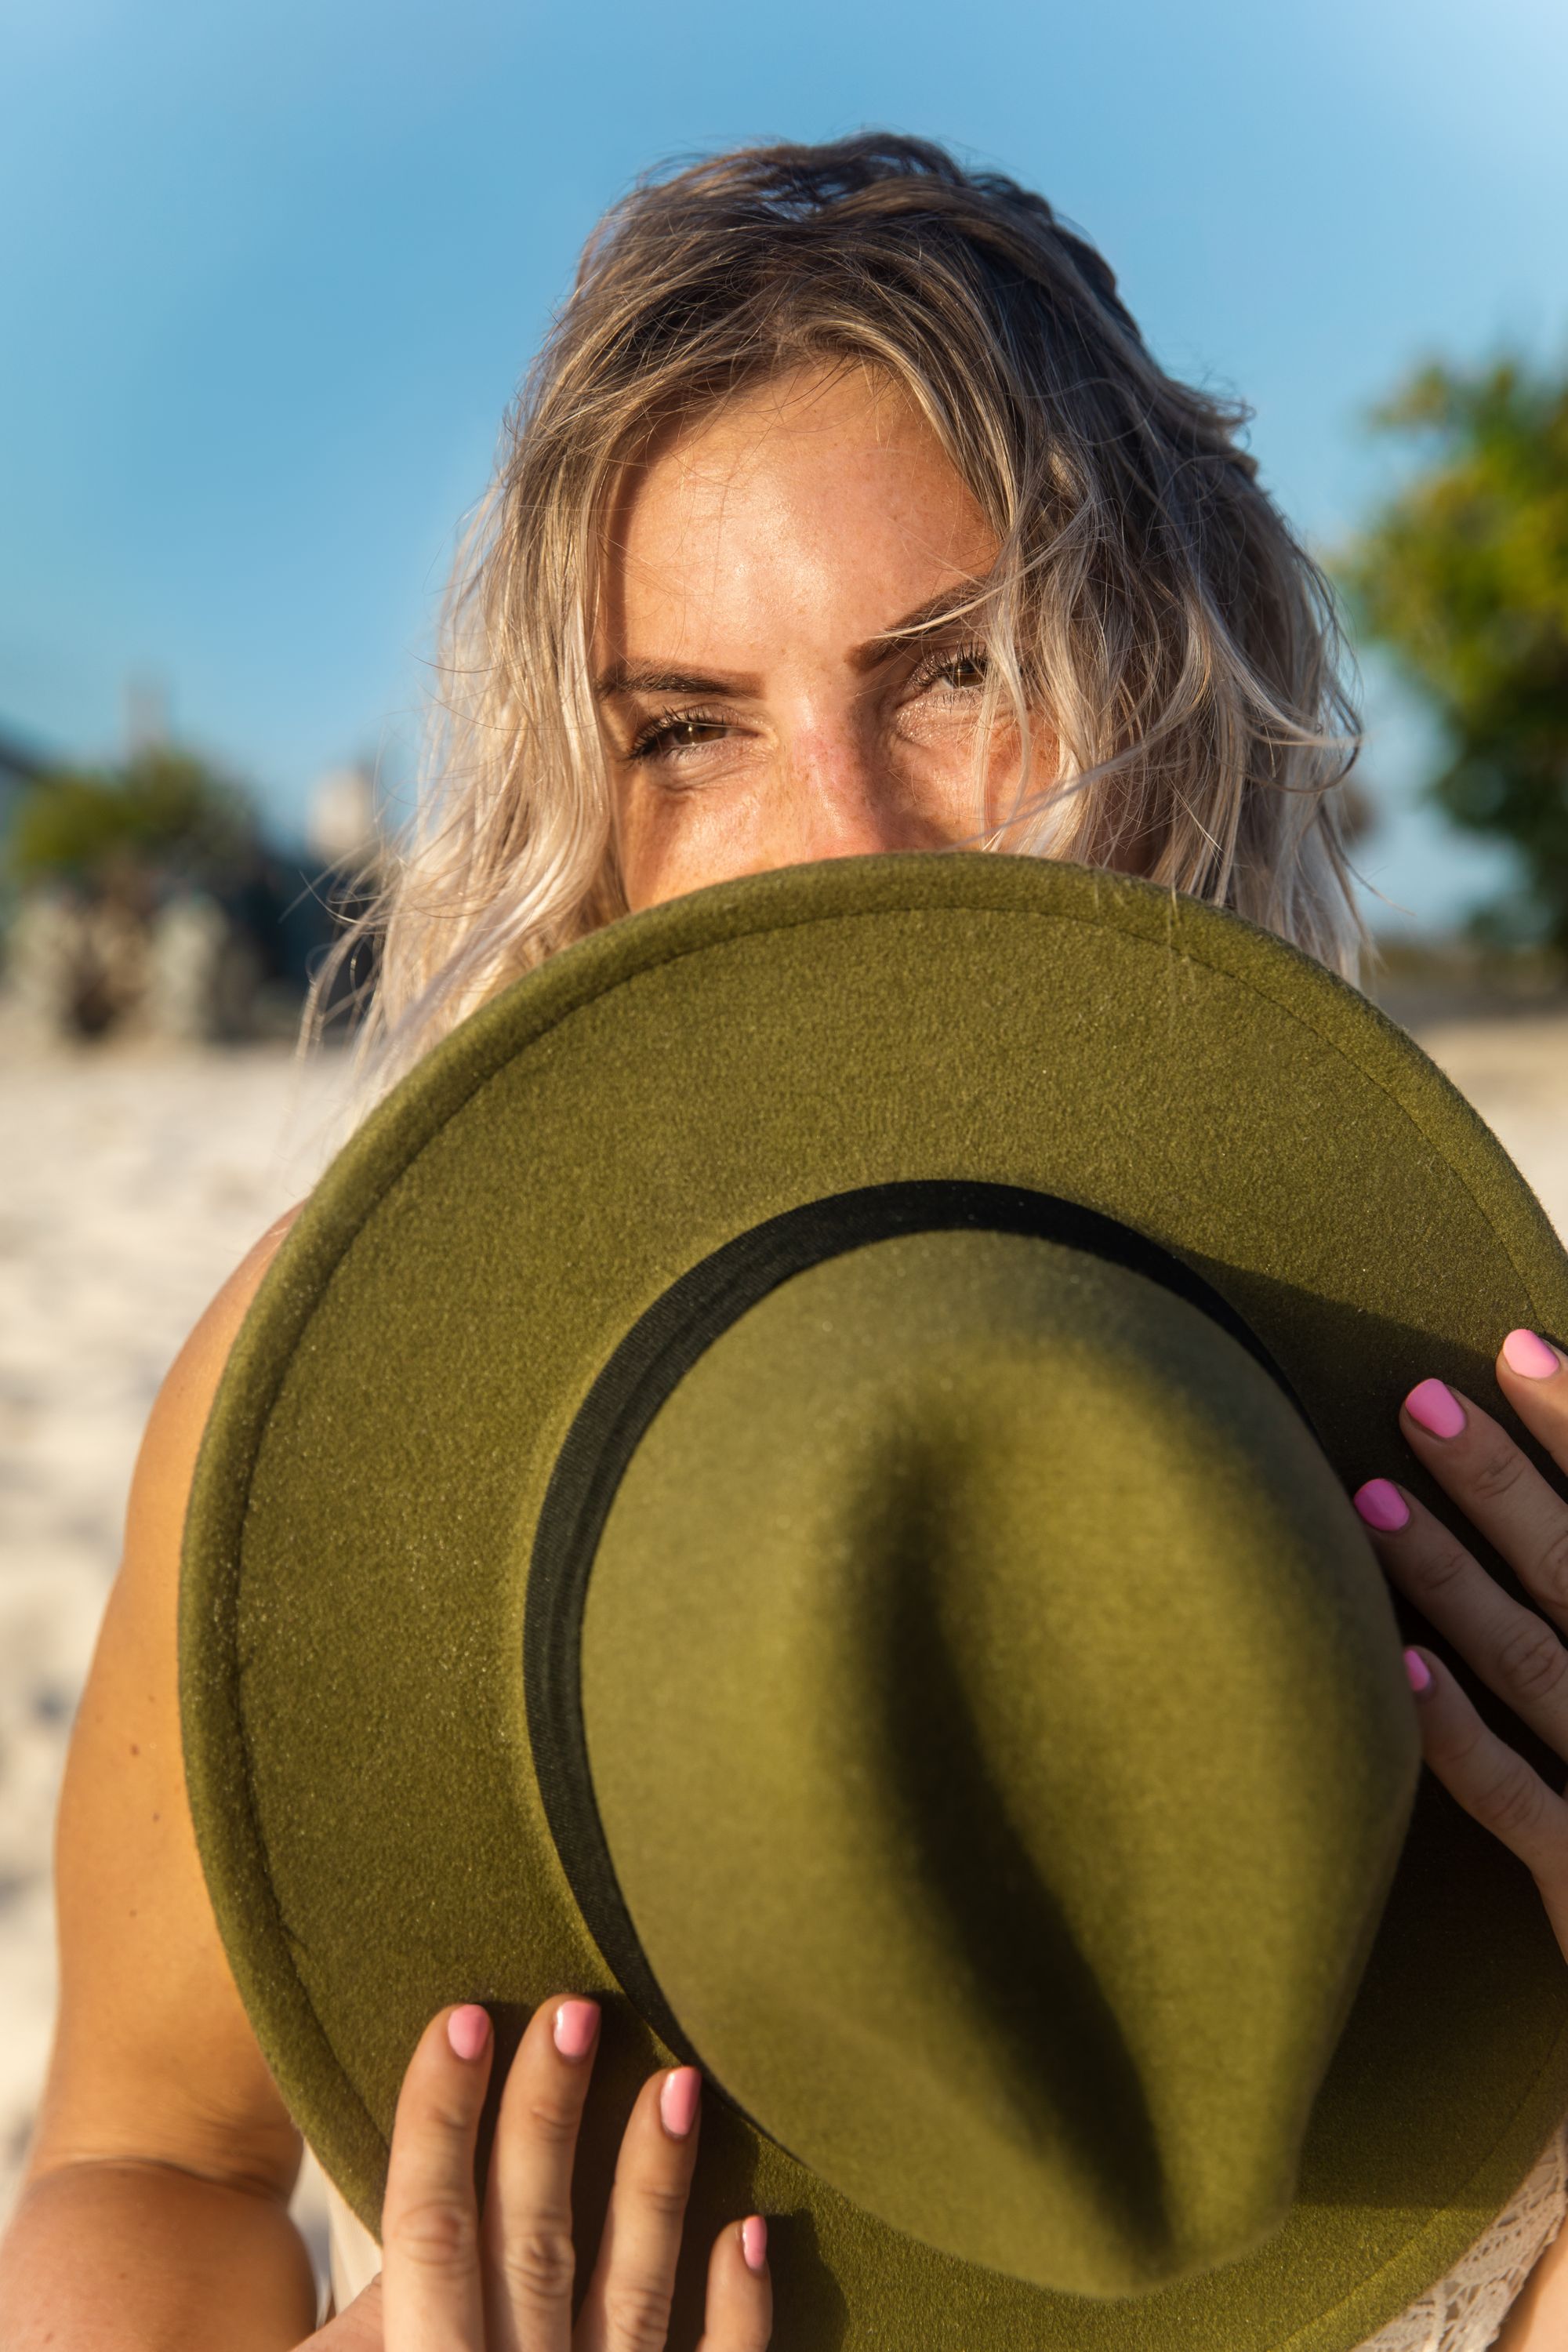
(1464, 576)
(164, 814)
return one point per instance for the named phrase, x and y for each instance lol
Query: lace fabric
(1464, 2311)
(1461, 2314)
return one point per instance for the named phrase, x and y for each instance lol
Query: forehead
(815, 493)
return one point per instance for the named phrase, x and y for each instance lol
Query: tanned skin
(759, 710)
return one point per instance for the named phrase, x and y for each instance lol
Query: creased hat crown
(996, 1718)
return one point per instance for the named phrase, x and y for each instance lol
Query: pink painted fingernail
(467, 2031)
(1526, 1352)
(678, 2101)
(754, 2242)
(1382, 1506)
(1419, 1672)
(1436, 1408)
(576, 2022)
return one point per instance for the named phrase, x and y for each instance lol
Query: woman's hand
(1521, 1654)
(453, 2281)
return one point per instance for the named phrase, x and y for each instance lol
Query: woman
(846, 511)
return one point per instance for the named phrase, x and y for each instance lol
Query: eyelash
(650, 738)
(652, 741)
(961, 656)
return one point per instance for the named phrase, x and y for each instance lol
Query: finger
(1497, 1487)
(357, 2329)
(627, 2304)
(430, 2259)
(530, 2264)
(1495, 1785)
(1534, 1376)
(740, 2311)
(1516, 1654)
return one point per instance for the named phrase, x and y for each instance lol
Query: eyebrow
(926, 619)
(659, 678)
(628, 677)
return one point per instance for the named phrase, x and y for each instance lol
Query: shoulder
(184, 1400)
(173, 1433)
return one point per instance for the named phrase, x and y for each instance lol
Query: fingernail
(1524, 1352)
(1419, 1671)
(1382, 1506)
(678, 2101)
(467, 2031)
(1435, 1408)
(576, 2022)
(754, 2242)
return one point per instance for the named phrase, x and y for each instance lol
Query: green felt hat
(792, 1476)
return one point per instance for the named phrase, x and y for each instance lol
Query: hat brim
(352, 1598)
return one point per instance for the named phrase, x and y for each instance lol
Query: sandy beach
(135, 1179)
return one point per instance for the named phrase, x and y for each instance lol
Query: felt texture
(969, 1604)
(351, 1603)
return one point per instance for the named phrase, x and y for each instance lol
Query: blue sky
(268, 275)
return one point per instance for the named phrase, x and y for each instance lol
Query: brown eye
(964, 671)
(678, 732)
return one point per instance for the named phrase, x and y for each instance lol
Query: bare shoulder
(160, 1486)
(154, 2056)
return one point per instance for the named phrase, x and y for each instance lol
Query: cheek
(674, 842)
(943, 762)
(1005, 765)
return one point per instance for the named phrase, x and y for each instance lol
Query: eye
(676, 730)
(963, 671)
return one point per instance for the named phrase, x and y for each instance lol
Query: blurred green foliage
(164, 813)
(1463, 575)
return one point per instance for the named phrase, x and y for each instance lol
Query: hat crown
(994, 1713)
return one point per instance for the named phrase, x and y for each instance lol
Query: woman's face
(757, 707)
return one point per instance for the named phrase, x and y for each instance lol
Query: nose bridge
(839, 792)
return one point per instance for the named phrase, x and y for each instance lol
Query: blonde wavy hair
(1148, 598)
